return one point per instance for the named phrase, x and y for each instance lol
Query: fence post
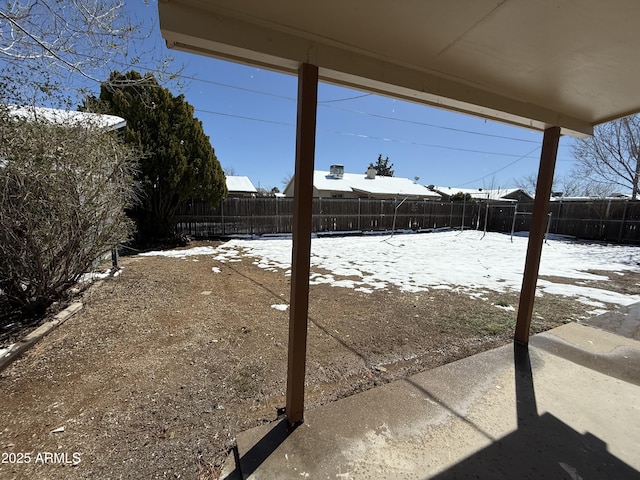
(559, 216)
(424, 212)
(359, 214)
(464, 209)
(546, 234)
(513, 224)
(486, 215)
(249, 211)
(624, 219)
(222, 215)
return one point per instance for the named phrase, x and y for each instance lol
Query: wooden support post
(536, 233)
(302, 220)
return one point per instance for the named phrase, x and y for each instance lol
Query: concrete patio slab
(624, 321)
(566, 407)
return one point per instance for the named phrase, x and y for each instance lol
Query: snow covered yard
(465, 262)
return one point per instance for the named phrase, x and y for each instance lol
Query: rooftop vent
(336, 171)
(371, 173)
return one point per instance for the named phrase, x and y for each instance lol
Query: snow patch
(364, 290)
(468, 262)
(508, 308)
(189, 252)
(92, 276)
(5, 350)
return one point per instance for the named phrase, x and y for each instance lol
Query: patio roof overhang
(571, 64)
(559, 67)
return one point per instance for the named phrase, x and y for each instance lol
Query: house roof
(537, 64)
(614, 197)
(239, 184)
(67, 117)
(379, 185)
(480, 194)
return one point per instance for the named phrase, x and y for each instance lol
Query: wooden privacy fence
(256, 216)
(608, 220)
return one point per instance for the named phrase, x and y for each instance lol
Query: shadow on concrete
(623, 363)
(250, 461)
(542, 447)
(442, 404)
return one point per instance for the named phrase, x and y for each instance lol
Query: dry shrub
(63, 191)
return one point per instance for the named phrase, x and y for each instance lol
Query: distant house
(238, 186)
(337, 184)
(495, 195)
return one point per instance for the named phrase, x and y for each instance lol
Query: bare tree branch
(612, 154)
(48, 49)
(52, 49)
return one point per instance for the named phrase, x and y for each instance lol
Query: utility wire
(430, 145)
(242, 117)
(424, 124)
(359, 112)
(385, 139)
(325, 103)
(498, 170)
(345, 99)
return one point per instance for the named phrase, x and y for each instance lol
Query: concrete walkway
(625, 321)
(566, 408)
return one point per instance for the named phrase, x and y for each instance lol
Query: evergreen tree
(461, 197)
(383, 167)
(178, 165)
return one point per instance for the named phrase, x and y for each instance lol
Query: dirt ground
(169, 360)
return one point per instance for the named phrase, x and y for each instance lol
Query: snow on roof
(240, 184)
(480, 194)
(617, 197)
(380, 185)
(67, 117)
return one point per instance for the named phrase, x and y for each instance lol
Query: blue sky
(249, 115)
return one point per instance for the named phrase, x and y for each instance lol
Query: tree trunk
(636, 177)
